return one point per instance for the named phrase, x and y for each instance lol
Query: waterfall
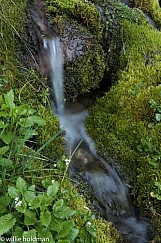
(103, 180)
(56, 71)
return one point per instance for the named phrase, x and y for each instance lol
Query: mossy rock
(124, 123)
(80, 27)
(151, 7)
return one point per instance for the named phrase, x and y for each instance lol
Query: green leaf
(4, 149)
(30, 193)
(24, 109)
(30, 218)
(6, 223)
(27, 133)
(46, 235)
(66, 228)
(39, 121)
(56, 225)
(46, 200)
(63, 212)
(6, 162)
(21, 185)
(7, 138)
(35, 202)
(73, 234)
(18, 232)
(9, 98)
(13, 192)
(31, 121)
(53, 189)
(29, 234)
(59, 203)
(45, 217)
(4, 202)
(2, 125)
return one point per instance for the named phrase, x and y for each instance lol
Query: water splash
(105, 183)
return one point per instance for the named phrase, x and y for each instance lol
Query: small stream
(104, 182)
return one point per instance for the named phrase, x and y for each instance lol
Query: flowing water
(106, 185)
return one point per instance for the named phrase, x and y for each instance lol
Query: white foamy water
(56, 65)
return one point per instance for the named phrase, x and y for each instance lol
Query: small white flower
(67, 161)
(54, 165)
(16, 199)
(18, 204)
(89, 224)
(52, 181)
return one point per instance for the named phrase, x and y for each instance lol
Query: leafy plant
(29, 213)
(18, 125)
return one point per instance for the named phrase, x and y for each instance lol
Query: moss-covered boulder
(151, 7)
(126, 124)
(80, 27)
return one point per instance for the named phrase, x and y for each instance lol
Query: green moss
(106, 233)
(79, 24)
(123, 123)
(151, 7)
(86, 73)
(57, 147)
(83, 11)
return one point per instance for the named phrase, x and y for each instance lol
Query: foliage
(39, 214)
(18, 125)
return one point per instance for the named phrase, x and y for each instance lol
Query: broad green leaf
(30, 218)
(53, 189)
(13, 192)
(24, 109)
(66, 228)
(31, 121)
(29, 234)
(39, 121)
(5, 162)
(4, 114)
(35, 202)
(7, 137)
(4, 202)
(56, 225)
(59, 203)
(21, 185)
(18, 232)
(63, 212)
(9, 98)
(73, 234)
(45, 217)
(27, 133)
(2, 125)
(30, 193)
(46, 201)
(46, 235)
(6, 223)
(4, 149)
